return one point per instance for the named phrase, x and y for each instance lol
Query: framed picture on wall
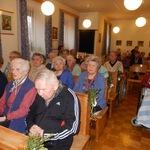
(118, 42)
(129, 43)
(6, 22)
(140, 43)
(55, 33)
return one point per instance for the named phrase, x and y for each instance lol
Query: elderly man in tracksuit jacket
(55, 110)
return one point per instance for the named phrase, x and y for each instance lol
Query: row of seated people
(21, 93)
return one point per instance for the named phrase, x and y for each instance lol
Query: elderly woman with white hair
(92, 79)
(18, 97)
(72, 66)
(64, 75)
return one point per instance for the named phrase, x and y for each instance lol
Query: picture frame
(55, 33)
(140, 43)
(118, 42)
(6, 22)
(129, 43)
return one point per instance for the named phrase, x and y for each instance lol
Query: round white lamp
(116, 29)
(132, 4)
(86, 23)
(140, 22)
(47, 8)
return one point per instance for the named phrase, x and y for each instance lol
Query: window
(69, 31)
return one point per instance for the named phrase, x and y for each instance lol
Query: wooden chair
(136, 74)
(81, 141)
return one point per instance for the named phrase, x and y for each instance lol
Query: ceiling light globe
(132, 4)
(47, 8)
(140, 22)
(86, 23)
(116, 29)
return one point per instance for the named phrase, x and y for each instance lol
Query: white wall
(93, 16)
(97, 21)
(129, 31)
(9, 42)
(12, 42)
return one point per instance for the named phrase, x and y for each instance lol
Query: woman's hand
(2, 119)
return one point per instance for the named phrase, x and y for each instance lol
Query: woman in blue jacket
(92, 79)
(64, 75)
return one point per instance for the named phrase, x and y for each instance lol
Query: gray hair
(95, 59)
(25, 66)
(48, 75)
(61, 59)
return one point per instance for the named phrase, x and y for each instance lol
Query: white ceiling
(111, 9)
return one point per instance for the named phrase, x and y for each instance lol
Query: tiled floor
(119, 133)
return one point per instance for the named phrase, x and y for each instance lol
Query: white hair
(48, 75)
(59, 58)
(25, 65)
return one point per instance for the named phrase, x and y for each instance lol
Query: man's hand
(36, 130)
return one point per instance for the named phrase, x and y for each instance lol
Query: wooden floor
(119, 133)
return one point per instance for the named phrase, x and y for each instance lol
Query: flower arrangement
(93, 96)
(34, 142)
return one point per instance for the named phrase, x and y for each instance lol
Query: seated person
(83, 64)
(64, 75)
(136, 59)
(12, 56)
(3, 79)
(72, 66)
(17, 98)
(103, 71)
(55, 111)
(146, 81)
(51, 56)
(92, 79)
(125, 61)
(148, 57)
(38, 65)
(113, 64)
(60, 50)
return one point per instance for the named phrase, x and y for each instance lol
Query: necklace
(89, 81)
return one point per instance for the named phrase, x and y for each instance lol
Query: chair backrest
(106, 90)
(75, 78)
(114, 80)
(148, 64)
(138, 68)
(85, 113)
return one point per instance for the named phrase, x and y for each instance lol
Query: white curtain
(69, 31)
(36, 28)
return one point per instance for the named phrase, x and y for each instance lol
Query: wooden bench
(100, 118)
(81, 141)
(11, 140)
(113, 94)
(101, 121)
